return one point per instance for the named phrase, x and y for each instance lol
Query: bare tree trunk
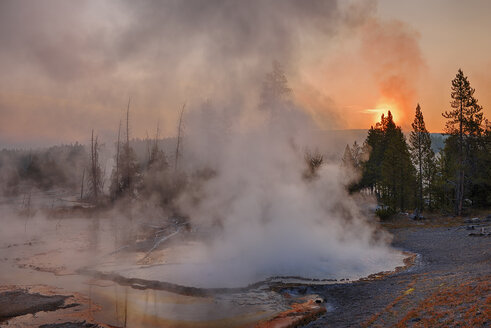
(117, 152)
(94, 168)
(460, 192)
(157, 134)
(95, 178)
(127, 122)
(147, 144)
(420, 155)
(126, 177)
(125, 306)
(179, 131)
(82, 185)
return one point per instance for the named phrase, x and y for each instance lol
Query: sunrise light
(383, 108)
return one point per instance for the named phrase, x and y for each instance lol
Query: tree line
(407, 174)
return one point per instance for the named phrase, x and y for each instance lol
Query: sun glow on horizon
(383, 108)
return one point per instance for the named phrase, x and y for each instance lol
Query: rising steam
(257, 214)
(263, 218)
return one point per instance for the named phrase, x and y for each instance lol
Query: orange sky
(69, 67)
(408, 53)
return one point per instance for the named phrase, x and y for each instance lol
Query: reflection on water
(153, 308)
(36, 250)
(49, 251)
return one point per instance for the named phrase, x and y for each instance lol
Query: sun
(383, 108)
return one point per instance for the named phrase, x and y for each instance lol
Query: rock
(482, 233)
(471, 227)
(416, 216)
(415, 319)
(20, 302)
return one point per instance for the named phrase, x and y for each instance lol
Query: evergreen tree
(275, 86)
(464, 123)
(480, 191)
(375, 146)
(388, 172)
(397, 171)
(358, 154)
(275, 94)
(314, 161)
(441, 187)
(348, 160)
(422, 156)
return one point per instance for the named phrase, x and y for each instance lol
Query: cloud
(391, 49)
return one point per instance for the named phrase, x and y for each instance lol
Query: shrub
(385, 212)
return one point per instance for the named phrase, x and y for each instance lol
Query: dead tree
(95, 172)
(123, 181)
(148, 146)
(157, 159)
(117, 149)
(179, 136)
(82, 185)
(153, 154)
(126, 181)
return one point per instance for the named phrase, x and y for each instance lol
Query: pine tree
(441, 186)
(481, 171)
(376, 144)
(422, 157)
(397, 171)
(275, 89)
(388, 172)
(357, 154)
(314, 161)
(348, 161)
(465, 123)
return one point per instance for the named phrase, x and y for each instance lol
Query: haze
(69, 67)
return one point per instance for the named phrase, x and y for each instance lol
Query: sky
(68, 67)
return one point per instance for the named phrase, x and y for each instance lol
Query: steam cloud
(265, 218)
(270, 221)
(392, 50)
(77, 63)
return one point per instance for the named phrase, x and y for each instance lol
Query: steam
(264, 219)
(257, 213)
(78, 63)
(391, 48)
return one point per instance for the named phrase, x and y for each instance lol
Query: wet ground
(448, 286)
(40, 285)
(20, 302)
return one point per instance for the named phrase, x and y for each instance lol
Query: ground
(448, 286)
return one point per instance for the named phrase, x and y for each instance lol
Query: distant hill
(333, 142)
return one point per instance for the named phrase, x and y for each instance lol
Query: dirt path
(449, 285)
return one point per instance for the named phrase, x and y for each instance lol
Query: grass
(464, 305)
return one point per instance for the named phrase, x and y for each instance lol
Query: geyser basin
(190, 264)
